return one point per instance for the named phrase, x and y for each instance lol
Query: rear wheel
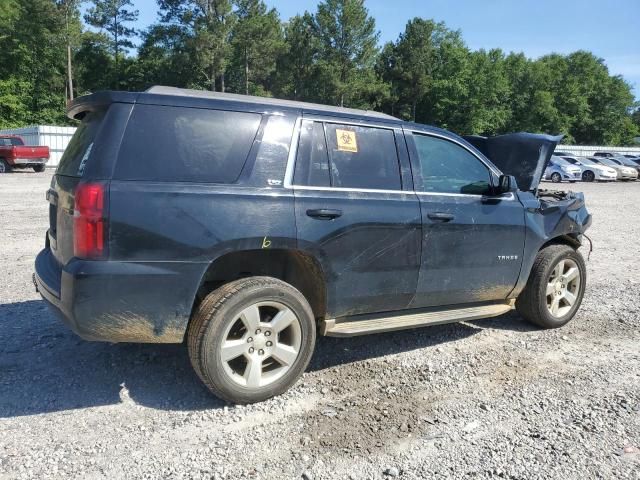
(251, 339)
(588, 176)
(555, 287)
(556, 178)
(4, 166)
(38, 168)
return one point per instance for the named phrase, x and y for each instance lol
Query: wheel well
(297, 268)
(569, 240)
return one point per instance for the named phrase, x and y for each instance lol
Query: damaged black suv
(248, 226)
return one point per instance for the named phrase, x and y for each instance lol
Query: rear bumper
(120, 301)
(28, 162)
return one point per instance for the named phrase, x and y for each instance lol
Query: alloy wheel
(261, 344)
(563, 286)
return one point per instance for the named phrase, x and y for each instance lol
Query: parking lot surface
(494, 398)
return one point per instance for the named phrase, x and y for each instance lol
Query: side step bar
(387, 322)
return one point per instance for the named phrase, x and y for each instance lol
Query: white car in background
(624, 172)
(592, 171)
(559, 169)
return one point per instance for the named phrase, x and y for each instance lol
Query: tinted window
(186, 144)
(362, 157)
(75, 157)
(449, 168)
(312, 163)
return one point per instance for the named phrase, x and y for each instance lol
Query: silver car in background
(559, 169)
(592, 171)
(624, 172)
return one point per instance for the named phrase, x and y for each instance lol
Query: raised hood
(523, 155)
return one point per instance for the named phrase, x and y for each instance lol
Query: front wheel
(4, 166)
(38, 168)
(251, 339)
(555, 287)
(588, 176)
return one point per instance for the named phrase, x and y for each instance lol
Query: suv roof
(183, 96)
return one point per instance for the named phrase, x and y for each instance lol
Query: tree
(348, 43)
(165, 57)
(297, 64)
(33, 61)
(208, 25)
(72, 34)
(257, 41)
(113, 16)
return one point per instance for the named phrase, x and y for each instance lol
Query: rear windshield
(10, 141)
(177, 144)
(75, 157)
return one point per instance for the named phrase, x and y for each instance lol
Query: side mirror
(506, 184)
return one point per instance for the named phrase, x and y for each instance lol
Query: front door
(472, 245)
(357, 213)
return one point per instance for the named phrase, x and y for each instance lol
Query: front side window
(446, 167)
(362, 157)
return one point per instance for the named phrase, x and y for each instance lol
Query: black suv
(248, 225)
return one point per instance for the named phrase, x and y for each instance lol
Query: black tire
(588, 176)
(38, 168)
(532, 302)
(220, 310)
(556, 177)
(4, 166)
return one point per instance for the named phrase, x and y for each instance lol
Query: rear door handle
(324, 213)
(441, 216)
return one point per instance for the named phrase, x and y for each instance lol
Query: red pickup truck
(15, 154)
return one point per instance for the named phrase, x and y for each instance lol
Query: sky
(608, 28)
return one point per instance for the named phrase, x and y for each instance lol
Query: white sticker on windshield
(83, 163)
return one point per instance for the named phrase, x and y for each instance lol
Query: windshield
(10, 141)
(586, 161)
(625, 161)
(559, 161)
(607, 161)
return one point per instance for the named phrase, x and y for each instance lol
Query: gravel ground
(488, 399)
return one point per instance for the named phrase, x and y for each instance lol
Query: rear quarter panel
(178, 228)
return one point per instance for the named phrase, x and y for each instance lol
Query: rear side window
(362, 157)
(312, 163)
(75, 157)
(176, 144)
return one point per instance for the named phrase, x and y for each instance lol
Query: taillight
(89, 221)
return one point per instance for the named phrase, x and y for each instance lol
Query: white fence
(589, 150)
(56, 138)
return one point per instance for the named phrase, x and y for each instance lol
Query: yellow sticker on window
(347, 141)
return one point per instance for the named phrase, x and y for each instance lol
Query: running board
(366, 324)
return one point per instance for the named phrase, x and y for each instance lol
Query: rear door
(356, 212)
(472, 245)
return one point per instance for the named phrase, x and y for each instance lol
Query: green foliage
(348, 51)
(331, 56)
(297, 75)
(112, 17)
(256, 41)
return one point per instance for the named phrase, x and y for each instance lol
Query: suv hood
(523, 155)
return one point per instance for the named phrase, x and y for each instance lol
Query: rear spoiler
(78, 107)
